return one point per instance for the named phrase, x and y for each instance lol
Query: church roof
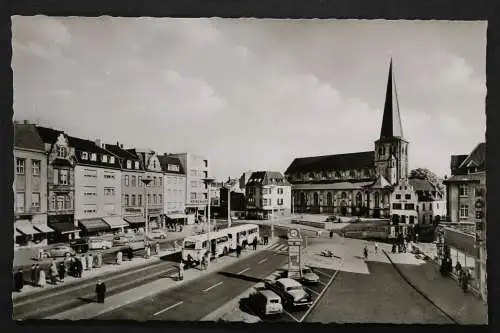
(380, 183)
(332, 162)
(391, 121)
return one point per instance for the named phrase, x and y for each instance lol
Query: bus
(222, 242)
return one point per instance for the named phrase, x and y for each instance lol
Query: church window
(352, 174)
(311, 175)
(316, 199)
(343, 195)
(323, 174)
(359, 200)
(338, 174)
(329, 200)
(377, 200)
(398, 196)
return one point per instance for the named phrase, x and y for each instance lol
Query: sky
(252, 94)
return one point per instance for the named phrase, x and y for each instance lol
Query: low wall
(321, 225)
(365, 234)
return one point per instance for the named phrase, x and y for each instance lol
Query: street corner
(404, 258)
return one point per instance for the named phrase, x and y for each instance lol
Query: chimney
(98, 142)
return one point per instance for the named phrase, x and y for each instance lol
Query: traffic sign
(295, 243)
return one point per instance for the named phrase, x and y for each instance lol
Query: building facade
(97, 188)
(174, 189)
(132, 187)
(360, 184)
(60, 183)
(244, 179)
(30, 186)
(196, 168)
(431, 206)
(268, 195)
(154, 190)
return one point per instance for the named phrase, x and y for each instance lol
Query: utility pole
(228, 205)
(208, 182)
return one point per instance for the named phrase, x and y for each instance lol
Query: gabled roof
(473, 177)
(48, 135)
(121, 153)
(26, 136)
(391, 121)
(380, 183)
(267, 178)
(477, 158)
(456, 160)
(90, 147)
(166, 160)
(332, 162)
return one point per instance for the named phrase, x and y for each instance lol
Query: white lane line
(322, 283)
(215, 285)
(313, 291)
(322, 273)
(243, 271)
(170, 307)
(291, 316)
(263, 260)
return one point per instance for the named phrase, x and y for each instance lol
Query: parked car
(267, 303)
(292, 293)
(157, 234)
(80, 245)
(121, 240)
(99, 243)
(308, 276)
(331, 218)
(60, 251)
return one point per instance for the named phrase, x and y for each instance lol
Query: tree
(424, 173)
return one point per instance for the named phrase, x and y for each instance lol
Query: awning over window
(94, 225)
(115, 222)
(177, 216)
(64, 227)
(135, 219)
(43, 228)
(25, 227)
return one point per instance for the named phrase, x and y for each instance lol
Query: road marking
(314, 291)
(291, 316)
(170, 307)
(215, 285)
(321, 293)
(243, 271)
(263, 260)
(322, 273)
(322, 283)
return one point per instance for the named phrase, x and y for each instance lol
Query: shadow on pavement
(87, 300)
(242, 277)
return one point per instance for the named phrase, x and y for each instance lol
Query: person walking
(83, 261)
(365, 253)
(119, 257)
(99, 260)
(78, 267)
(42, 281)
(465, 280)
(18, 280)
(148, 252)
(255, 244)
(181, 271)
(62, 271)
(331, 234)
(130, 253)
(53, 273)
(90, 261)
(238, 250)
(34, 280)
(37, 275)
(100, 290)
(376, 247)
(157, 249)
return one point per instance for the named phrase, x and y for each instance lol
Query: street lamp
(208, 182)
(272, 212)
(228, 186)
(146, 180)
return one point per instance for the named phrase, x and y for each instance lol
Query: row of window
(194, 196)
(279, 190)
(198, 173)
(21, 167)
(130, 200)
(61, 202)
(334, 174)
(21, 201)
(173, 167)
(269, 202)
(129, 164)
(407, 196)
(137, 181)
(93, 157)
(464, 191)
(409, 206)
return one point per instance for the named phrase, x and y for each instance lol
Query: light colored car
(268, 303)
(121, 240)
(100, 243)
(157, 234)
(60, 251)
(292, 293)
(308, 276)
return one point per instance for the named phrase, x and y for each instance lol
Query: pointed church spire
(391, 121)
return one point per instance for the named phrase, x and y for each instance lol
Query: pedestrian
(40, 254)
(465, 281)
(238, 250)
(33, 275)
(62, 271)
(67, 263)
(37, 275)
(204, 262)
(458, 268)
(119, 257)
(376, 247)
(255, 243)
(331, 234)
(99, 260)
(42, 281)
(148, 252)
(181, 271)
(365, 253)
(72, 267)
(18, 280)
(130, 253)
(79, 267)
(100, 290)
(157, 249)
(90, 261)
(53, 273)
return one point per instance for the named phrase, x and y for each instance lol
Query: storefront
(64, 228)
(27, 234)
(116, 223)
(175, 220)
(135, 222)
(93, 227)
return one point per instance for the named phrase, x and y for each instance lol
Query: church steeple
(391, 121)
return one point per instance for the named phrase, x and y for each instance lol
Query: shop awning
(94, 225)
(17, 233)
(65, 227)
(43, 228)
(177, 216)
(25, 227)
(135, 219)
(115, 222)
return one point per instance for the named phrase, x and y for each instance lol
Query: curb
(453, 320)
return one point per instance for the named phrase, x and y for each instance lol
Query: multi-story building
(174, 187)
(244, 179)
(30, 185)
(215, 195)
(237, 199)
(268, 195)
(197, 169)
(403, 208)
(431, 202)
(467, 173)
(60, 183)
(153, 190)
(97, 188)
(132, 187)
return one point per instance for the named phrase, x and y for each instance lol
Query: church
(367, 184)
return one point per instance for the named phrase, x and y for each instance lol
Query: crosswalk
(279, 248)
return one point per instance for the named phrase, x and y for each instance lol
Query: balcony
(60, 188)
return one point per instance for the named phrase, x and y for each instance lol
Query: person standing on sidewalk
(119, 257)
(465, 280)
(37, 275)
(157, 249)
(238, 250)
(62, 271)
(365, 252)
(18, 280)
(255, 244)
(90, 261)
(100, 290)
(181, 271)
(42, 281)
(331, 234)
(33, 275)
(376, 247)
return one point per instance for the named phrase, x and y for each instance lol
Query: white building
(174, 189)
(403, 209)
(268, 194)
(431, 206)
(196, 168)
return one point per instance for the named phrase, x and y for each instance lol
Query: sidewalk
(93, 310)
(444, 292)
